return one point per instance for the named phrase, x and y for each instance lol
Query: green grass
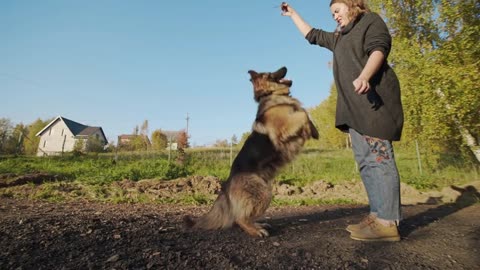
(334, 166)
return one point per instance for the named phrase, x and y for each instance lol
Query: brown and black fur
(278, 134)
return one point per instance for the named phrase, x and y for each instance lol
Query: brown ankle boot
(364, 222)
(375, 231)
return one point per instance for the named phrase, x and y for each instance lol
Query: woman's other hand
(362, 86)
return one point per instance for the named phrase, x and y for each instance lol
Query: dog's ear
(313, 129)
(253, 74)
(280, 73)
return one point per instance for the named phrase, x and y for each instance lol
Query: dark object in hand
(284, 7)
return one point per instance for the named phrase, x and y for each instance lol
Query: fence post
(169, 148)
(418, 157)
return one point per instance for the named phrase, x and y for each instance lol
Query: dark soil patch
(10, 180)
(86, 235)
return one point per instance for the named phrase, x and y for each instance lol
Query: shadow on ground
(468, 196)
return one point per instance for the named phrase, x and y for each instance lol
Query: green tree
(18, 136)
(6, 130)
(144, 128)
(221, 143)
(234, 140)
(435, 54)
(139, 143)
(94, 145)
(31, 141)
(324, 118)
(182, 140)
(79, 146)
(11, 138)
(110, 147)
(244, 137)
(159, 140)
(182, 144)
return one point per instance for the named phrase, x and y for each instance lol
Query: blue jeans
(379, 174)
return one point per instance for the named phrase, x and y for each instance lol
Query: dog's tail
(219, 216)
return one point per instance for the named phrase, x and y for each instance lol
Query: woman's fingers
(361, 86)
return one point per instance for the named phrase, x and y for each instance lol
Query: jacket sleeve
(377, 37)
(321, 38)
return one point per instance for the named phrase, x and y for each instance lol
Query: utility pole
(169, 148)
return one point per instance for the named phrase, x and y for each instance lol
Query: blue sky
(116, 63)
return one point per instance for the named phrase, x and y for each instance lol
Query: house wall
(172, 146)
(55, 140)
(98, 134)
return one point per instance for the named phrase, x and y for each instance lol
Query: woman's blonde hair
(355, 7)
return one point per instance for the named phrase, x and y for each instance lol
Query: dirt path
(84, 235)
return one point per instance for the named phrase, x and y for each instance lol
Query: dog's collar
(266, 102)
(260, 98)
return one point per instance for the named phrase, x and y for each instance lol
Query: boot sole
(385, 239)
(351, 231)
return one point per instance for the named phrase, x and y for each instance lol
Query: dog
(278, 134)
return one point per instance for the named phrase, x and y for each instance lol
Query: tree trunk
(467, 137)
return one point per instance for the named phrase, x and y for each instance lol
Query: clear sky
(116, 63)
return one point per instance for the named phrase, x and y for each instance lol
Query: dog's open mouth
(279, 76)
(286, 82)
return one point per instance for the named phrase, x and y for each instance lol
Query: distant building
(172, 146)
(172, 137)
(62, 134)
(125, 140)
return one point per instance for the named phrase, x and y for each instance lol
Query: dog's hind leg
(218, 217)
(250, 196)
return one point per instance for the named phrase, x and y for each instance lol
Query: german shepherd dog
(278, 134)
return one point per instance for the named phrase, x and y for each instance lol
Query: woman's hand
(375, 61)
(302, 26)
(362, 86)
(287, 10)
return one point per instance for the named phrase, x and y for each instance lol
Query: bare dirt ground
(87, 235)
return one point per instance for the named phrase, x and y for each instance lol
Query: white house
(61, 135)
(172, 137)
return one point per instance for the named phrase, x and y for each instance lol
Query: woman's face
(340, 14)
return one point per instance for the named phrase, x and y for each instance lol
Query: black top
(378, 113)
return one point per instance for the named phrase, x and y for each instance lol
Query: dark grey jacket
(378, 113)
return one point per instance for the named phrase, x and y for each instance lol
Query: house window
(49, 132)
(44, 143)
(62, 131)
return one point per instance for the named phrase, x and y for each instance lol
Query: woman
(368, 107)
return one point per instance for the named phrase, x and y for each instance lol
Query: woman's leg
(378, 170)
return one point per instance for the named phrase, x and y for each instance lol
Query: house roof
(171, 134)
(77, 129)
(128, 136)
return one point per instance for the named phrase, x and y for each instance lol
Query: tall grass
(96, 169)
(334, 166)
